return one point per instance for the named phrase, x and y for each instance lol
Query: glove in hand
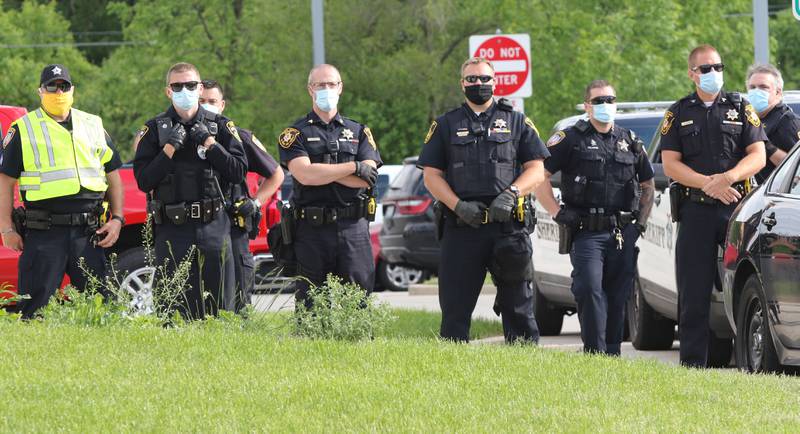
(367, 173)
(177, 136)
(470, 212)
(502, 205)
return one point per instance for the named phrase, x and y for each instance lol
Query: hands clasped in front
(719, 187)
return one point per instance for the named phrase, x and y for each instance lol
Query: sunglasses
(189, 85)
(64, 86)
(605, 99)
(475, 78)
(705, 69)
(209, 83)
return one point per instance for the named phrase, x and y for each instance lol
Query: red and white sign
(511, 57)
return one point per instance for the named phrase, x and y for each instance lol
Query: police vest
(57, 163)
(595, 179)
(481, 160)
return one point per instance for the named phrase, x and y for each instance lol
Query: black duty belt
(320, 215)
(179, 213)
(697, 195)
(43, 219)
(602, 221)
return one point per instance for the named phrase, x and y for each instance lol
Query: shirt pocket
(691, 140)
(731, 137)
(501, 148)
(590, 164)
(626, 165)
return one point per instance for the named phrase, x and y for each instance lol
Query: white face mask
(212, 108)
(326, 99)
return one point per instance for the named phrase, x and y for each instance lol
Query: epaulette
(505, 105)
(582, 126)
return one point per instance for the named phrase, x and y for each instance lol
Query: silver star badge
(56, 70)
(500, 123)
(732, 115)
(347, 134)
(623, 145)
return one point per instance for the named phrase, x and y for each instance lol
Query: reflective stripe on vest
(73, 161)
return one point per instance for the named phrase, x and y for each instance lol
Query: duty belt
(517, 214)
(320, 215)
(203, 211)
(42, 219)
(604, 222)
(697, 195)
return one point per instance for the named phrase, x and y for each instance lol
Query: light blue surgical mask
(759, 98)
(604, 112)
(212, 108)
(185, 99)
(326, 99)
(711, 82)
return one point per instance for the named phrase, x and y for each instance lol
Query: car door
(779, 251)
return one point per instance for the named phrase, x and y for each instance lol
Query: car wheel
(648, 330)
(549, 318)
(137, 279)
(397, 277)
(755, 350)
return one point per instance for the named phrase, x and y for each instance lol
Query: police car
(653, 308)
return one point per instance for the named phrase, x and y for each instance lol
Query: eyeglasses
(64, 86)
(705, 69)
(605, 99)
(325, 85)
(189, 85)
(475, 78)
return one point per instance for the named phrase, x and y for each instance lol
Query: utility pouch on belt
(175, 213)
(511, 258)
(18, 219)
(676, 194)
(566, 235)
(438, 219)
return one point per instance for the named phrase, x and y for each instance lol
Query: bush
(341, 311)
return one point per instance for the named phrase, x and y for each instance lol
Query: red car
(130, 252)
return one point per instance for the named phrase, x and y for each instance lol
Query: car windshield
(644, 127)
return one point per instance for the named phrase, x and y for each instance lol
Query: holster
(511, 258)
(154, 208)
(566, 235)
(18, 219)
(676, 197)
(254, 219)
(438, 219)
(280, 241)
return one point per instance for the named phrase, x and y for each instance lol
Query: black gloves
(470, 212)
(567, 217)
(367, 173)
(177, 136)
(502, 206)
(199, 133)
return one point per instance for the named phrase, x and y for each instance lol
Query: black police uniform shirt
(510, 140)
(782, 126)
(227, 156)
(603, 159)
(311, 137)
(712, 139)
(83, 201)
(258, 160)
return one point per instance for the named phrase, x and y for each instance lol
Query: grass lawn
(225, 379)
(421, 324)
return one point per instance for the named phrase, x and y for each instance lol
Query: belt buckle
(195, 210)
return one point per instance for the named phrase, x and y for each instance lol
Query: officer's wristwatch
(514, 189)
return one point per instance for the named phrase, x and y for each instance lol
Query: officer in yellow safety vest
(66, 166)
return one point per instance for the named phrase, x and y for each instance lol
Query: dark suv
(408, 236)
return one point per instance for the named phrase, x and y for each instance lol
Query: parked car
(761, 272)
(409, 248)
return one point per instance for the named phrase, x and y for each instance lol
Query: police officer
(607, 188)
(186, 160)
(711, 142)
(245, 211)
(66, 165)
(334, 163)
(781, 123)
(478, 161)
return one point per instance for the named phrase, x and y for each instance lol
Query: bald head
(323, 73)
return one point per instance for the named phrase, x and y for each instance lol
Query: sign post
(511, 57)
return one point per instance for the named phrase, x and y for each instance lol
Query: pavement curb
(422, 289)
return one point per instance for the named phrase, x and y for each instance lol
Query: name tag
(313, 139)
(462, 133)
(685, 123)
(732, 122)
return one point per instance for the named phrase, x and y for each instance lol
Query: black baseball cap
(54, 72)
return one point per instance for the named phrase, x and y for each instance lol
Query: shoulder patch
(232, 129)
(139, 134)
(371, 140)
(8, 137)
(430, 132)
(258, 143)
(288, 137)
(556, 138)
(752, 117)
(669, 118)
(529, 123)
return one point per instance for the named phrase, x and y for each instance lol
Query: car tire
(755, 350)
(549, 318)
(136, 277)
(398, 277)
(649, 331)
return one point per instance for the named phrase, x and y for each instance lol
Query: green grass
(224, 379)
(421, 324)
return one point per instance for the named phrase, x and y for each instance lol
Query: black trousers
(47, 255)
(341, 248)
(244, 268)
(602, 280)
(700, 232)
(466, 255)
(212, 269)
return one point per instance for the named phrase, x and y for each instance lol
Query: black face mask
(478, 94)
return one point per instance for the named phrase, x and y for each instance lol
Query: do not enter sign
(510, 55)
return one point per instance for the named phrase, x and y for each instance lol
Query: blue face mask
(326, 99)
(711, 82)
(185, 99)
(759, 98)
(212, 108)
(604, 113)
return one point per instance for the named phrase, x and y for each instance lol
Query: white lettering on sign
(486, 53)
(510, 52)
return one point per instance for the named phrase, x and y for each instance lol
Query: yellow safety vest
(56, 163)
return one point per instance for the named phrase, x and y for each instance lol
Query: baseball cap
(54, 72)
